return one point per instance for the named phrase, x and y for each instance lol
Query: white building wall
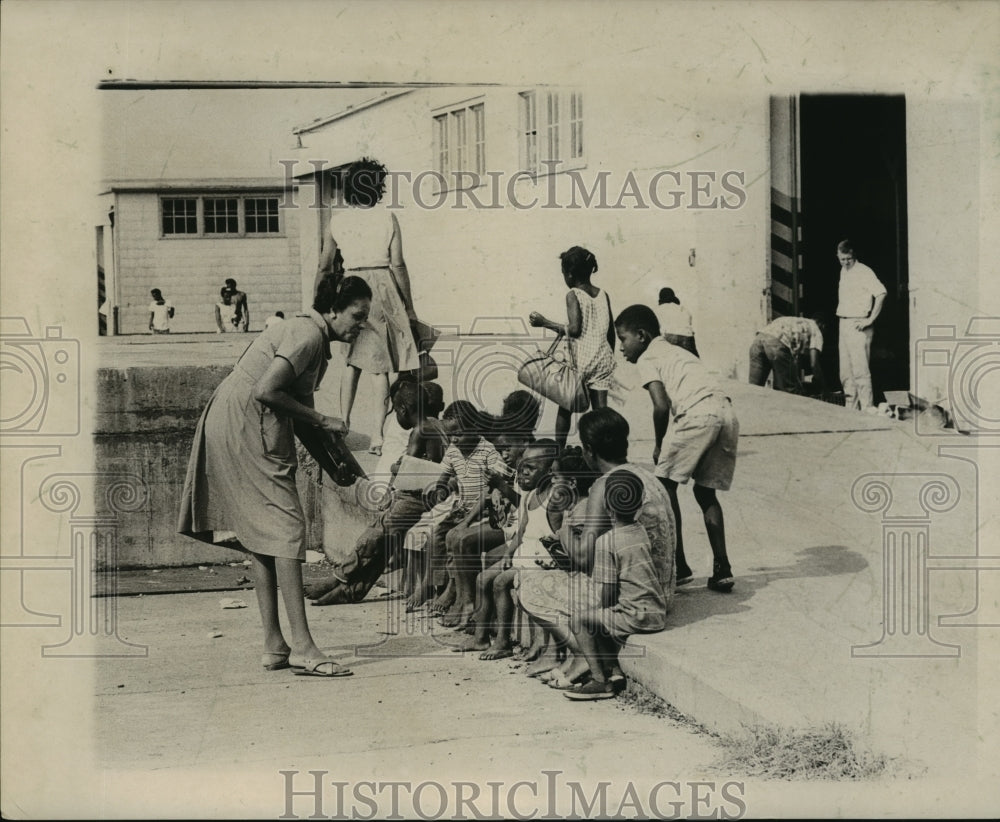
(190, 272)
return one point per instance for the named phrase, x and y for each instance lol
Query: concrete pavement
(865, 596)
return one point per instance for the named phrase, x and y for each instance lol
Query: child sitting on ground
(536, 521)
(702, 441)
(630, 597)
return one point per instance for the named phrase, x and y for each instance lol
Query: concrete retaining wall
(145, 422)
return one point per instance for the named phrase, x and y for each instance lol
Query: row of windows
(219, 216)
(551, 130)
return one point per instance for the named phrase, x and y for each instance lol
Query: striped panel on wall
(786, 254)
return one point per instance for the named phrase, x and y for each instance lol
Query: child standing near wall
(161, 312)
(589, 330)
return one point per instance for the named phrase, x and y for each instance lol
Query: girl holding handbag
(589, 330)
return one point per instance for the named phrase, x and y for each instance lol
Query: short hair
(364, 182)
(435, 397)
(573, 464)
(231, 282)
(336, 292)
(470, 419)
(519, 413)
(549, 448)
(623, 493)
(605, 432)
(845, 247)
(155, 292)
(667, 296)
(578, 262)
(279, 314)
(224, 292)
(405, 393)
(639, 318)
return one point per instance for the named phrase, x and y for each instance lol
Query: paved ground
(877, 609)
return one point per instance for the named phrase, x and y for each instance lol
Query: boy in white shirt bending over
(702, 441)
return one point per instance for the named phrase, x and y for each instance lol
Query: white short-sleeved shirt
(161, 315)
(858, 288)
(674, 319)
(685, 378)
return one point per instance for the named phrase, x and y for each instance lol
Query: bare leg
(586, 630)
(348, 390)
(483, 614)
(380, 387)
(563, 419)
(504, 604)
(468, 546)
(683, 569)
(712, 512)
(598, 399)
(266, 586)
(289, 577)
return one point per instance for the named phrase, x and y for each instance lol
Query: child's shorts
(702, 446)
(620, 625)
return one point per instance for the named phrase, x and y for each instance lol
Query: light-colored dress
(241, 473)
(227, 313)
(386, 343)
(594, 358)
(536, 526)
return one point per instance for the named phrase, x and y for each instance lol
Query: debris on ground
(232, 603)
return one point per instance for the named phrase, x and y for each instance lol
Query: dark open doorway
(853, 165)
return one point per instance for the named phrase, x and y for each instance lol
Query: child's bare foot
(497, 652)
(533, 651)
(443, 601)
(546, 662)
(418, 598)
(571, 673)
(472, 644)
(459, 616)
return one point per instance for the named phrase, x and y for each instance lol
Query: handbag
(555, 379)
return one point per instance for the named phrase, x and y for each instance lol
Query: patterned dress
(594, 358)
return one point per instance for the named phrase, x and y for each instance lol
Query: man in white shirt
(860, 298)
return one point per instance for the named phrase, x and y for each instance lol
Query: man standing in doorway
(239, 299)
(860, 299)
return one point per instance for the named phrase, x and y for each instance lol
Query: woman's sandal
(311, 667)
(275, 661)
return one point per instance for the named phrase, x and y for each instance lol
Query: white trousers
(855, 374)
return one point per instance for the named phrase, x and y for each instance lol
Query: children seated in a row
(562, 601)
(470, 466)
(537, 521)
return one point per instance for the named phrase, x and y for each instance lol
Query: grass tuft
(825, 752)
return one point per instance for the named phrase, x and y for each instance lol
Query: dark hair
(519, 413)
(279, 314)
(469, 418)
(231, 282)
(623, 492)
(549, 447)
(224, 292)
(364, 182)
(578, 263)
(155, 292)
(667, 296)
(406, 393)
(845, 247)
(434, 395)
(639, 318)
(335, 292)
(574, 465)
(605, 432)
